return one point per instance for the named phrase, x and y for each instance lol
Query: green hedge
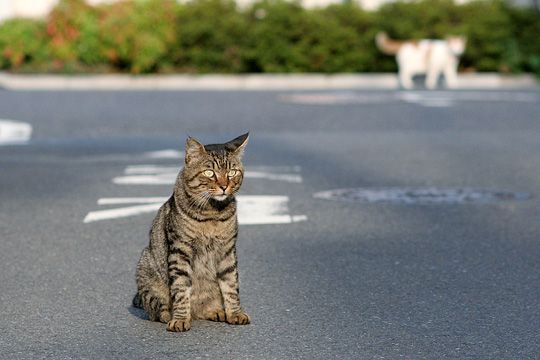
(204, 36)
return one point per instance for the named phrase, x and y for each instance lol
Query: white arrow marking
(14, 132)
(252, 209)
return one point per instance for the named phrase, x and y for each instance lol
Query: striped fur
(189, 270)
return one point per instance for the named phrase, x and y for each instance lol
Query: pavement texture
(353, 281)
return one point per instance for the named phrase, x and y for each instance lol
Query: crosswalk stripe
(252, 209)
(166, 175)
(14, 132)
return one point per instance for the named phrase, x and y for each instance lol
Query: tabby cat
(189, 269)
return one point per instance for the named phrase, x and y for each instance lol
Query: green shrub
(285, 37)
(360, 52)
(489, 36)
(22, 41)
(526, 35)
(138, 35)
(329, 45)
(210, 37)
(143, 36)
(276, 28)
(73, 32)
(421, 19)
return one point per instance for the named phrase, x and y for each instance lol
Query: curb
(260, 82)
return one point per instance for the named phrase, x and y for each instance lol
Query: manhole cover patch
(429, 195)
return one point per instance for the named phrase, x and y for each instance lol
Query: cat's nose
(223, 187)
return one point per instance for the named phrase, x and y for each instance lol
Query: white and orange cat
(429, 57)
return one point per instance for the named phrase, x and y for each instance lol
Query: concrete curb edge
(255, 82)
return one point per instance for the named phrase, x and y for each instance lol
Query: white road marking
(428, 101)
(298, 218)
(422, 98)
(154, 169)
(132, 200)
(150, 169)
(252, 209)
(166, 175)
(292, 178)
(164, 154)
(159, 179)
(120, 212)
(14, 132)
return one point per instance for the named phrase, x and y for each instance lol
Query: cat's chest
(210, 235)
(208, 246)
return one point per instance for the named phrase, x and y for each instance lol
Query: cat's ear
(194, 150)
(237, 146)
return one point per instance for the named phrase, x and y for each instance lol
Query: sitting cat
(430, 57)
(189, 269)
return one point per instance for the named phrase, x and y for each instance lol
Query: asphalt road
(352, 281)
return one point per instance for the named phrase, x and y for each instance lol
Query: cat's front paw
(240, 318)
(179, 325)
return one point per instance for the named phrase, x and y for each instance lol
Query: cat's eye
(208, 173)
(232, 173)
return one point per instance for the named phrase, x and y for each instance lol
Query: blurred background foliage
(203, 36)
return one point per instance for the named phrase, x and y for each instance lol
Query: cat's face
(457, 44)
(214, 171)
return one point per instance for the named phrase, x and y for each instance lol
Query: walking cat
(189, 269)
(430, 57)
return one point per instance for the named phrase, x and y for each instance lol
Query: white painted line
(120, 212)
(155, 169)
(166, 175)
(299, 218)
(292, 178)
(164, 154)
(252, 209)
(427, 98)
(132, 200)
(14, 132)
(160, 179)
(150, 169)
(438, 99)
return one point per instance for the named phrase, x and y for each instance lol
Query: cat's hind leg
(450, 74)
(405, 78)
(432, 77)
(155, 301)
(153, 294)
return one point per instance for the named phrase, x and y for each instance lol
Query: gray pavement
(353, 281)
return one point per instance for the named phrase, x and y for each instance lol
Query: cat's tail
(387, 45)
(137, 301)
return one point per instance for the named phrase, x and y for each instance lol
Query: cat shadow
(140, 313)
(419, 82)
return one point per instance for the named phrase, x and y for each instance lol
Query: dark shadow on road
(140, 313)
